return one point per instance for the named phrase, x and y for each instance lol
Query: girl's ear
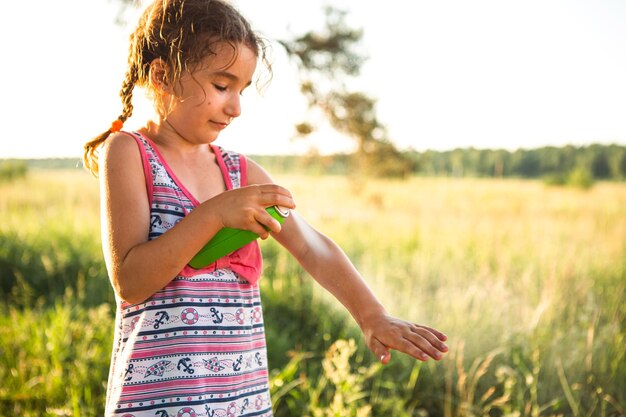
(159, 80)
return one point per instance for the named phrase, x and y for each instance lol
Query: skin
(199, 107)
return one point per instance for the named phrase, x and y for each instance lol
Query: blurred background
(469, 157)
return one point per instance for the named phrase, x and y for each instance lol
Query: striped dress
(195, 348)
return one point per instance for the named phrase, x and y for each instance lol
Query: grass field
(527, 280)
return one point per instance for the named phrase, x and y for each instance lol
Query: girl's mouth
(219, 125)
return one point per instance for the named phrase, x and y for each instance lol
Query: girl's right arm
(139, 267)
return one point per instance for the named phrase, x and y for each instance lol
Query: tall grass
(50, 239)
(54, 360)
(527, 280)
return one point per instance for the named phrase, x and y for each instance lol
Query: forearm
(149, 266)
(332, 269)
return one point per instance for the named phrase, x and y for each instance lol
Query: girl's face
(207, 100)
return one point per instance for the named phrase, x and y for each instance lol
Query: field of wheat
(527, 280)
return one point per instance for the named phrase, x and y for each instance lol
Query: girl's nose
(233, 106)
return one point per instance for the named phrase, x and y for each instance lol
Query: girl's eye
(243, 91)
(219, 87)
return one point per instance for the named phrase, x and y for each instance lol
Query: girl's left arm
(322, 258)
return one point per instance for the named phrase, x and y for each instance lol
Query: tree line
(600, 162)
(559, 165)
(554, 164)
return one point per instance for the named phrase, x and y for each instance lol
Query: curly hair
(181, 33)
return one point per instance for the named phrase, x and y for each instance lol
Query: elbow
(125, 294)
(128, 292)
(130, 297)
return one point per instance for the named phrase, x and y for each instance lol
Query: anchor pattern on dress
(190, 316)
(162, 317)
(184, 364)
(216, 316)
(188, 366)
(216, 365)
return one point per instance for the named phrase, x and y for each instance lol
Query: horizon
(78, 158)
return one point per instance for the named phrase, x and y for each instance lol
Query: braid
(126, 93)
(90, 157)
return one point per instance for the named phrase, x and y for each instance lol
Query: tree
(326, 59)
(600, 164)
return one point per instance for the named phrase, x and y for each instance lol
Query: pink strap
(146, 166)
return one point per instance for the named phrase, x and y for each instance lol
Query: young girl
(191, 342)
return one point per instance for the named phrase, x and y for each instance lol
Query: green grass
(528, 281)
(54, 359)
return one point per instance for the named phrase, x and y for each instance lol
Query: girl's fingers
(420, 342)
(432, 336)
(426, 343)
(246, 207)
(380, 351)
(282, 200)
(419, 350)
(440, 336)
(271, 195)
(384, 332)
(273, 189)
(268, 222)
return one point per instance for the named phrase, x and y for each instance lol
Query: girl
(191, 342)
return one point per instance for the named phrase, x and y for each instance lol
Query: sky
(446, 74)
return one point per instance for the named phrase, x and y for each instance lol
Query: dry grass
(527, 280)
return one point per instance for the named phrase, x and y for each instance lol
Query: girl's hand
(384, 332)
(244, 208)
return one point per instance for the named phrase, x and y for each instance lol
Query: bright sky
(456, 73)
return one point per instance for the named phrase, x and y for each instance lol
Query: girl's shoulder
(257, 174)
(121, 172)
(119, 147)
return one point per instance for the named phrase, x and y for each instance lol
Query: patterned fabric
(196, 348)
